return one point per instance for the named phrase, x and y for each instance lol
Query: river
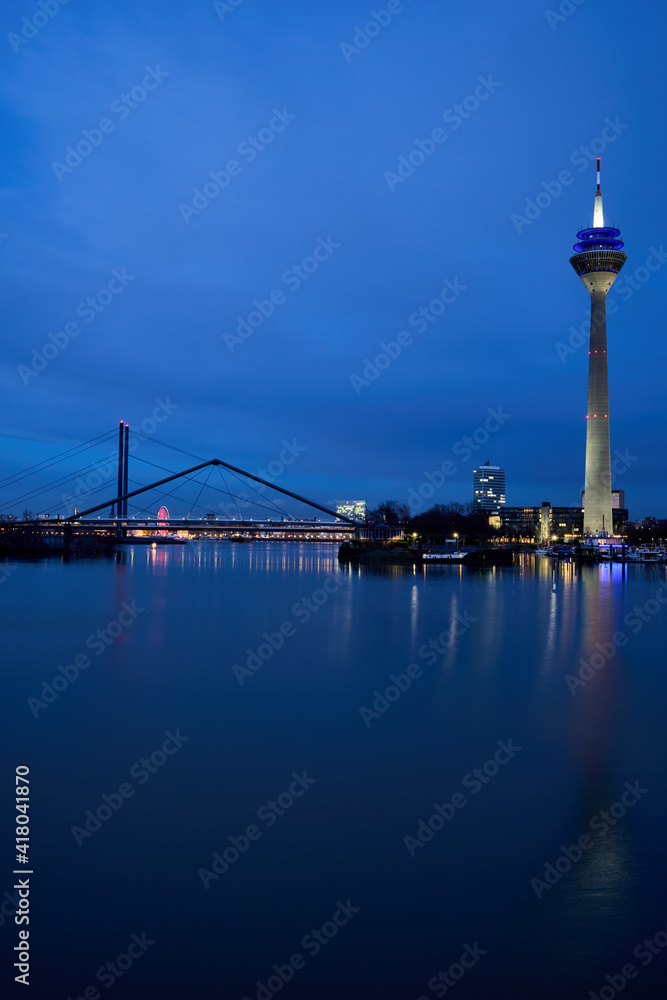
(282, 775)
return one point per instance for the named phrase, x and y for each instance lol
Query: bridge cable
(54, 482)
(16, 477)
(238, 509)
(196, 503)
(190, 479)
(275, 505)
(173, 448)
(164, 493)
(83, 496)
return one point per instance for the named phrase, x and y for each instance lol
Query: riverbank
(360, 553)
(27, 542)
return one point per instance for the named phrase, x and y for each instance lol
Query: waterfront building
(597, 261)
(546, 523)
(488, 486)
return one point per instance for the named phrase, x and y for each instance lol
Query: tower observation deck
(598, 260)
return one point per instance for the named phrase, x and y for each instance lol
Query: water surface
(263, 656)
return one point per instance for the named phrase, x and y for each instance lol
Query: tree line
(444, 520)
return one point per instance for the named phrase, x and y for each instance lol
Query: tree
(390, 512)
(448, 520)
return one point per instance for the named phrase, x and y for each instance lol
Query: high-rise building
(488, 486)
(597, 261)
(355, 509)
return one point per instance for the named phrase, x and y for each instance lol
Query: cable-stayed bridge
(101, 497)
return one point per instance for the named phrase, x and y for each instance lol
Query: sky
(257, 196)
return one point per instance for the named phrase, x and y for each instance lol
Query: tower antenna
(598, 217)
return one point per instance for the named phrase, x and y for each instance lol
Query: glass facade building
(355, 509)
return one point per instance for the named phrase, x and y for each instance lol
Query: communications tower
(597, 261)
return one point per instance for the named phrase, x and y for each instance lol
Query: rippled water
(269, 659)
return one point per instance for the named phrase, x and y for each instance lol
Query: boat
(150, 540)
(450, 557)
(646, 554)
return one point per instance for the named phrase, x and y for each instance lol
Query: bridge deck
(194, 527)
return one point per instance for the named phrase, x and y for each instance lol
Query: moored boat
(150, 540)
(450, 557)
(646, 554)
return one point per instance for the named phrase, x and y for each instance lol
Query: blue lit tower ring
(598, 250)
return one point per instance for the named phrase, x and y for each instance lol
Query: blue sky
(336, 110)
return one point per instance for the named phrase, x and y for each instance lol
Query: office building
(546, 523)
(488, 487)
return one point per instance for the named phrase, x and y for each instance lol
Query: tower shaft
(597, 505)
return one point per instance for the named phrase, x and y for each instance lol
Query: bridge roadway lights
(334, 531)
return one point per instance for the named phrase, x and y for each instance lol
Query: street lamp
(457, 540)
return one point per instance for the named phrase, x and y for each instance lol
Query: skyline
(343, 257)
(319, 472)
